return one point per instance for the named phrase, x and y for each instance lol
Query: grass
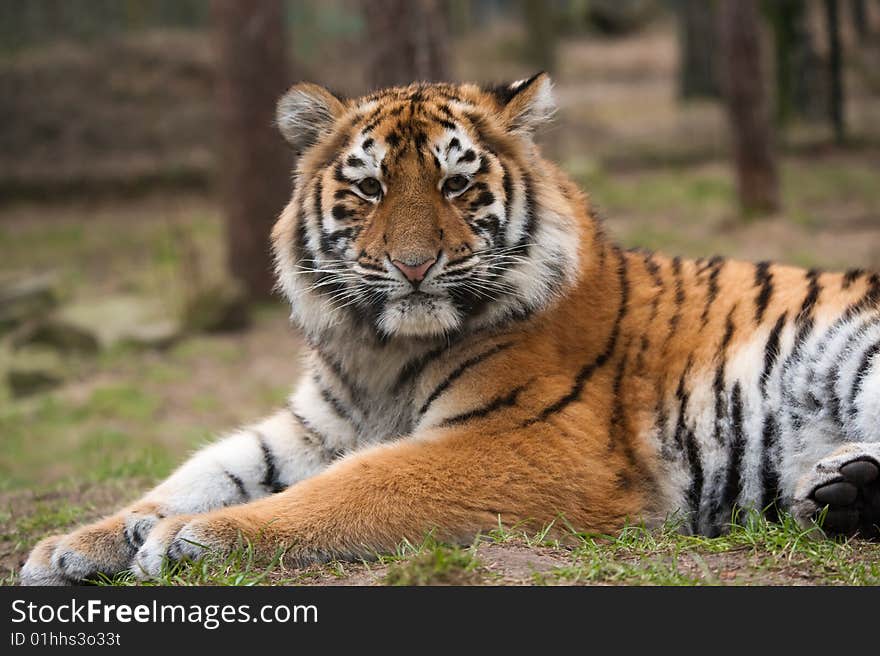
(434, 563)
(753, 552)
(88, 439)
(241, 567)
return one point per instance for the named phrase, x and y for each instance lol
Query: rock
(30, 371)
(57, 334)
(159, 334)
(123, 319)
(23, 299)
(218, 308)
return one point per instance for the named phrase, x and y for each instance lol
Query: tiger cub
(479, 351)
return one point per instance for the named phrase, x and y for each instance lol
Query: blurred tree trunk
(408, 41)
(461, 16)
(835, 69)
(859, 11)
(540, 26)
(800, 85)
(743, 85)
(697, 32)
(253, 163)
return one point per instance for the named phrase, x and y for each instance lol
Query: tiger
(478, 352)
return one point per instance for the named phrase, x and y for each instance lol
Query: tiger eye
(370, 187)
(454, 184)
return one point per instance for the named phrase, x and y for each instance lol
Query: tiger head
(422, 211)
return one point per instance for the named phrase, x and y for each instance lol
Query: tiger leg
(248, 464)
(452, 484)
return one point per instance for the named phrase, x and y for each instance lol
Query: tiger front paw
(103, 548)
(180, 539)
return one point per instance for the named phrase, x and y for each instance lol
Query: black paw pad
(853, 501)
(840, 493)
(841, 520)
(860, 472)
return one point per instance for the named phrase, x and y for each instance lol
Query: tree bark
(835, 69)
(407, 41)
(539, 23)
(253, 164)
(747, 107)
(697, 38)
(801, 88)
(859, 11)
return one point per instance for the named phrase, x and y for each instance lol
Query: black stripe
(319, 211)
(764, 280)
(239, 484)
(872, 296)
(832, 380)
(270, 481)
(617, 412)
(620, 433)
(412, 369)
(769, 475)
(587, 371)
(341, 213)
(679, 300)
(861, 374)
(311, 435)
(507, 183)
(457, 373)
(715, 266)
(683, 398)
(695, 489)
(497, 403)
(338, 408)
(812, 296)
(531, 211)
(302, 241)
(771, 352)
(804, 319)
(371, 267)
(653, 270)
(851, 276)
(469, 156)
(720, 371)
(686, 442)
(736, 450)
(355, 392)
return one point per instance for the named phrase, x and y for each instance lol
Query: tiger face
(415, 212)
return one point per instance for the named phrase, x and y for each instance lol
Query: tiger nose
(415, 273)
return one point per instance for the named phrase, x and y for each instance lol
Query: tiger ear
(526, 104)
(304, 112)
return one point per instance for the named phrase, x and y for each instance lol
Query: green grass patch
(42, 520)
(434, 563)
(757, 552)
(242, 567)
(687, 195)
